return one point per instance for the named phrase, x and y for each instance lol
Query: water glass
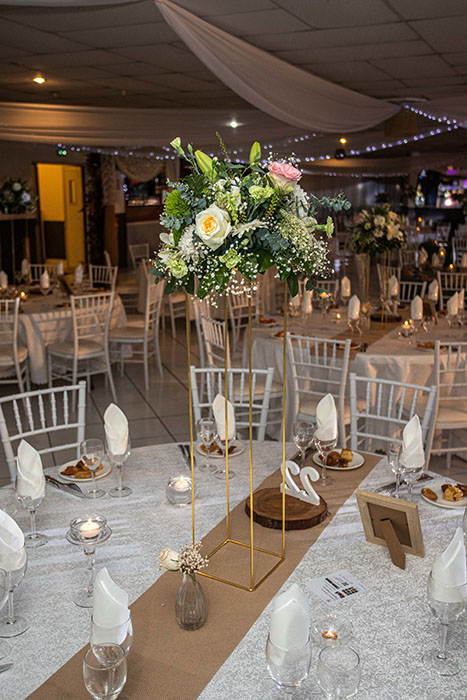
(105, 671)
(4, 646)
(222, 473)
(394, 464)
(120, 634)
(302, 435)
(119, 491)
(15, 565)
(92, 453)
(338, 672)
(428, 323)
(288, 668)
(411, 475)
(33, 538)
(324, 447)
(206, 430)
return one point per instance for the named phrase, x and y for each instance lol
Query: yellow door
(74, 216)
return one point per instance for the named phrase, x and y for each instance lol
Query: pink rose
(358, 218)
(284, 173)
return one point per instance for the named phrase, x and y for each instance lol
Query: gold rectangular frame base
(250, 588)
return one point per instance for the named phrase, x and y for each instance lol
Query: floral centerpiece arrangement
(190, 606)
(226, 217)
(15, 197)
(377, 230)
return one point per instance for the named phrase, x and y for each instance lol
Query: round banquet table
(391, 620)
(44, 320)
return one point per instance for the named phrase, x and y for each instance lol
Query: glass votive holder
(88, 529)
(330, 628)
(179, 490)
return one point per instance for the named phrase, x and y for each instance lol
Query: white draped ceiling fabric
(272, 85)
(63, 3)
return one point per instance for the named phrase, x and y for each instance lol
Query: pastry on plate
(453, 494)
(347, 455)
(428, 493)
(463, 488)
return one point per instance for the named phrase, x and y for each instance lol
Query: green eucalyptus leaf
(255, 153)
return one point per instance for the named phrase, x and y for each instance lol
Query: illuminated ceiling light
(39, 80)
(234, 123)
(342, 140)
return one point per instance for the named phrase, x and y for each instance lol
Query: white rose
(367, 226)
(16, 186)
(168, 559)
(213, 226)
(380, 220)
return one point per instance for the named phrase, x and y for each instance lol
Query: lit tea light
(338, 316)
(324, 295)
(451, 266)
(23, 296)
(442, 253)
(406, 324)
(182, 484)
(329, 634)
(179, 490)
(89, 530)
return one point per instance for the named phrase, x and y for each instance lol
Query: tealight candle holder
(331, 629)
(179, 490)
(88, 532)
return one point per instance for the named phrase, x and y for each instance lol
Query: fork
(185, 450)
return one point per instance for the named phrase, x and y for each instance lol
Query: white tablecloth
(42, 323)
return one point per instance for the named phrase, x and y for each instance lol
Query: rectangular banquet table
(225, 658)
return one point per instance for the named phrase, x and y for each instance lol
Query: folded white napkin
(435, 260)
(110, 610)
(422, 256)
(353, 312)
(326, 419)
(449, 570)
(461, 299)
(45, 280)
(296, 301)
(290, 620)
(11, 542)
(393, 286)
(24, 267)
(453, 305)
(218, 409)
(60, 269)
(307, 303)
(3, 280)
(116, 429)
(464, 260)
(345, 287)
(416, 308)
(30, 480)
(412, 453)
(433, 290)
(79, 274)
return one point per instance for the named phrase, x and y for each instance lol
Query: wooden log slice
(267, 510)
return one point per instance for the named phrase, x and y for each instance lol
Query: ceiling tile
(456, 59)
(122, 67)
(74, 58)
(443, 34)
(414, 67)
(13, 34)
(433, 82)
(116, 37)
(355, 53)
(267, 21)
(421, 9)
(335, 13)
(349, 70)
(163, 55)
(11, 52)
(205, 8)
(179, 81)
(122, 83)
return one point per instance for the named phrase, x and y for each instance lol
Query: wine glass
(92, 452)
(15, 564)
(288, 668)
(338, 672)
(120, 634)
(206, 429)
(105, 671)
(447, 605)
(302, 435)
(33, 538)
(4, 646)
(324, 302)
(222, 473)
(411, 475)
(394, 465)
(119, 491)
(324, 447)
(428, 323)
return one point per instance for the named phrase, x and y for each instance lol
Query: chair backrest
(213, 379)
(138, 251)
(102, 274)
(450, 282)
(238, 306)
(385, 272)
(213, 332)
(330, 286)
(37, 269)
(9, 311)
(451, 373)
(201, 306)
(380, 409)
(91, 315)
(408, 257)
(461, 231)
(107, 258)
(319, 366)
(45, 411)
(459, 245)
(409, 290)
(154, 296)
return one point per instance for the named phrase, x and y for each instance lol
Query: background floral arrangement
(15, 197)
(376, 230)
(226, 217)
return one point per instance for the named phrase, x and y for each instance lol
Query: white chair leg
(449, 454)
(146, 369)
(109, 375)
(172, 322)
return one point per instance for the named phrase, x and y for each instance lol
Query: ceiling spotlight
(342, 140)
(39, 79)
(234, 123)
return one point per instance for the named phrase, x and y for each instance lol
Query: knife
(72, 489)
(392, 484)
(5, 667)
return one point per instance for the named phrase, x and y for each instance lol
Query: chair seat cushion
(6, 354)
(86, 348)
(127, 334)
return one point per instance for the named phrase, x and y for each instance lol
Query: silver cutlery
(5, 667)
(72, 489)
(392, 485)
(185, 450)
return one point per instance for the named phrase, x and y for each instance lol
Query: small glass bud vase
(190, 606)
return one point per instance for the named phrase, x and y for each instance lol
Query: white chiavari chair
(451, 400)
(102, 275)
(176, 304)
(238, 313)
(13, 355)
(87, 353)
(409, 290)
(330, 286)
(450, 282)
(213, 336)
(380, 409)
(137, 252)
(442, 232)
(459, 247)
(107, 258)
(41, 414)
(144, 340)
(408, 257)
(319, 366)
(201, 306)
(37, 269)
(385, 272)
(207, 382)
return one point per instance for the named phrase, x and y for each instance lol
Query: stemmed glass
(302, 435)
(394, 465)
(105, 671)
(206, 428)
(4, 646)
(447, 604)
(324, 447)
(338, 672)
(324, 302)
(411, 475)
(288, 668)
(118, 460)
(120, 634)
(88, 533)
(354, 325)
(34, 538)
(92, 452)
(222, 473)
(428, 323)
(15, 565)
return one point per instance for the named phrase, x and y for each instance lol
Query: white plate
(274, 336)
(107, 468)
(258, 324)
(440, 502)
(239, 448)
(357, 461)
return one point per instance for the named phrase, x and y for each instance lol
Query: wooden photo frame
(392, 523)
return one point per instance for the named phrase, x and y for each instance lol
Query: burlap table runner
(168, 663)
